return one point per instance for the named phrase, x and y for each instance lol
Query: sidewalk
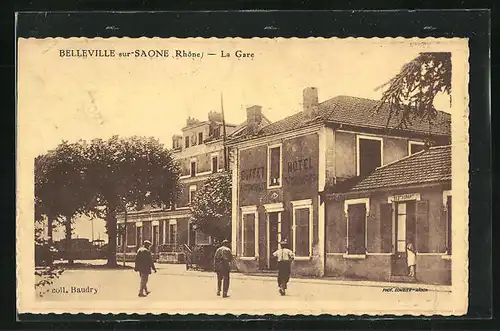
(173, 269)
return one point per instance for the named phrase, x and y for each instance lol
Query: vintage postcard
(242, 176)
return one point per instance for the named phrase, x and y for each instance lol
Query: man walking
(143, 265)
(222, 266)
(285, 257)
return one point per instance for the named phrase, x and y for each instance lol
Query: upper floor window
(215, 163)
(192, 192)
(370, 154)
(415, 147)
(216, 132)
(186, 139)
(193, 168)
(200, 138)
(274, 165)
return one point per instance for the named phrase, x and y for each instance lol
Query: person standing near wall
(285, 257)
(222, 266)
(143, 264)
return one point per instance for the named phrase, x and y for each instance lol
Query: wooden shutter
(356, 222)
(422, 220)
(386, 227)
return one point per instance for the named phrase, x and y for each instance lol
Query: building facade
(281, 172)
(199, 151)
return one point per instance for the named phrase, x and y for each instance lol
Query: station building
(199, 151)
(284, 172)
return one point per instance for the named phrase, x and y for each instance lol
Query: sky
(70, 98)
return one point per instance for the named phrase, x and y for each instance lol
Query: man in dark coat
(143, 265)
(222, 266)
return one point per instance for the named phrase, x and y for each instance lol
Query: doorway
(273, 239)
(404, 231)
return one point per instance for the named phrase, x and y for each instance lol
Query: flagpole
(226, 165)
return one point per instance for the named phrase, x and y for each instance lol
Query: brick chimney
(254, 118)
(310, 100)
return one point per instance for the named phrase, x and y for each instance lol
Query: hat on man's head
(146, 242)
(284, 242)
(225, 241)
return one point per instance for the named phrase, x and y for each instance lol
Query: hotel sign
(404, 197)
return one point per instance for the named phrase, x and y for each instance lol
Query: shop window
(356, 228)
(193, 168)
(186, 140)
(248, 235)
(274, 166)
(448, 225)
(415, 147)
(302, 228)
(172, 232)
(386, 227)
(192, 193)
(215, 163)
(200, 138)
(369, 154)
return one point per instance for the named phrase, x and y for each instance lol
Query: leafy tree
(211, 206)
(410, 94)
(60, 187)
(128, 173)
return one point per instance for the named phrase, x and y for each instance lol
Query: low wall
(171, 257)
(372, 267)
(433, 269)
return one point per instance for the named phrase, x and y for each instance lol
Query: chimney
(176, 141)
(214, 117)
(310, 100)
(254, 117)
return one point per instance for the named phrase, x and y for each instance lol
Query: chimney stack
(310, 100)
(254, 118)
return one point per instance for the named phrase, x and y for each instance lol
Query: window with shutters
(131, 234)
(386, 227)
(274, 166)
(193, 168)
(356, 225)
(215, 163)
(369, 156)
(172, 232)
(448, 225)
(302, 228)
(248, 234)
(422, 226)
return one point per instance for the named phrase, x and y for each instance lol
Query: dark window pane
(448, 213)
(275, 161)
(187, 142)
(415, 148)
(386, 227)
(356, 228)
(249, 235)
(193, 169)
(302, 232)
(370, 152)
(215, 164)
(200, 138)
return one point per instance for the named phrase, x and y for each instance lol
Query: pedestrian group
(223, 259)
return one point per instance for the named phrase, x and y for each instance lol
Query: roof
(428, 166)
(357, 112)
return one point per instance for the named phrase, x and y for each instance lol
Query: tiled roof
(357, 112)
(428, 166)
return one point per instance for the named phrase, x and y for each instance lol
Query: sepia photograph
(242, 176)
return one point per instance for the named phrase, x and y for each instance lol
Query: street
(174, 283)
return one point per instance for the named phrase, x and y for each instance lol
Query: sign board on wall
(404, 197)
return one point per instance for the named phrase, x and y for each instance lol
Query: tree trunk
(69, 249)
(111, 226)
(50, 221)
